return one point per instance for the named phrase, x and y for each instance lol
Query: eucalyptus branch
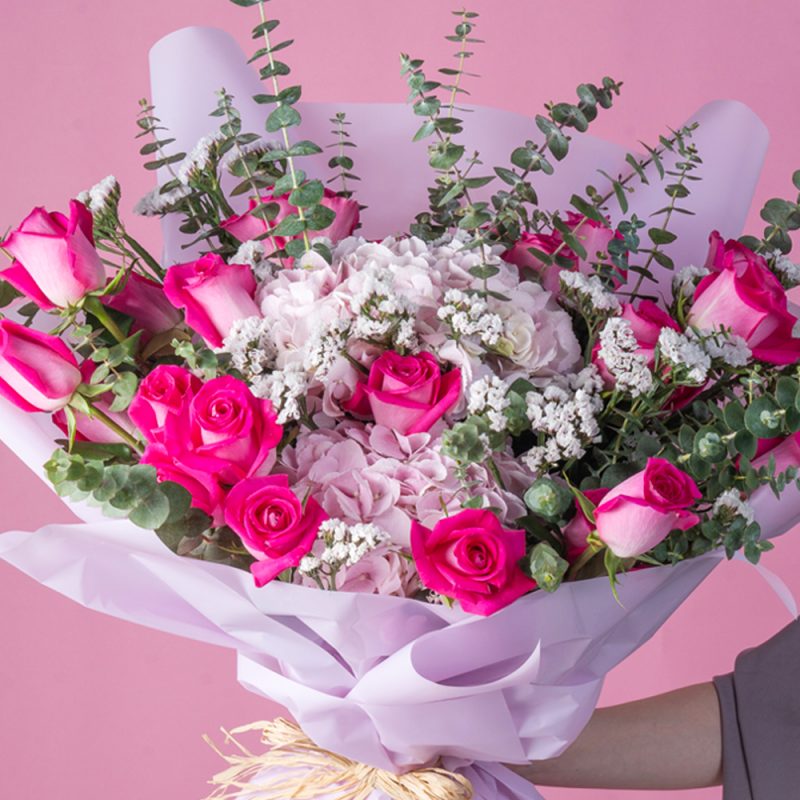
(342, 162)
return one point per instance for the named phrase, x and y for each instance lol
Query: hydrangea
(619, 351)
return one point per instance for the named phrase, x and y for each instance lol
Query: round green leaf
(762, 418)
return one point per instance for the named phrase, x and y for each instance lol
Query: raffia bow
(303, 771)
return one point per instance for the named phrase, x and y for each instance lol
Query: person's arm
(671, 741)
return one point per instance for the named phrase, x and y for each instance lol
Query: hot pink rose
(206, 492)
(722, 254)
(145, 302)
(166, 391)
(785, 451)
(214, 295)
(594, 236)
(473, 559)
(56, 262)
(226, 431)
(578, 528)
(745, 297)
(38, 372)
(90, 429)
(272, 523)
(246, 226)
(406, 393)
(641, 511)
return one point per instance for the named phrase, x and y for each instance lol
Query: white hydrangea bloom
(489, 396)
(685, 354)
(564, 413)
(250, 345)
(730, 504)
(686, 278)
(618, 348)
(590, 289)
(102, 196)
(285, 389)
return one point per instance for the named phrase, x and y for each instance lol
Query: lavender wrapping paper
(389, 681)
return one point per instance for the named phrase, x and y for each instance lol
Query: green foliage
(546, 566)
(548, 498)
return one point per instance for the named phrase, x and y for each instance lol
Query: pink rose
(226, 431)
(145, 302)
(745, 297)
(593, 235)
(214, 295)
(56, 261)
(785, 451)
(578, 528)
(406, 393)
(722, 254)
(38, 372)
(246, 226)
(166, 391)
(273, 524)
(206, 492)
(473, 559)
(641, 511)
(90, 429)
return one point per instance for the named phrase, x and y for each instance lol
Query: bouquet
(451, 474)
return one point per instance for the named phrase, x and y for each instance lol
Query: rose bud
(213, 294)
(743, 296)
(38, 372)
(225, 431)
(406, 393)
(472, 558)
(272, 524)
(643, 510)
(145, 302)
(56, 261)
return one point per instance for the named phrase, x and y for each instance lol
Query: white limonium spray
(234, 156)
(251, 347)
(729, 505)
(102, 197)
(564, 416)
(286, 389)
(489, 397)
(254, 255)
(382, 313)
(725, 346)
(199, 159)
(326, 344)
(468, 315)
(786, 269)
(618, 349)
(339, 546)
(686, 278)
(157, 202)
(589, 289)
(686, 356)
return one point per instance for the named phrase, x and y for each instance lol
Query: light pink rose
(207, 493)
(90, 429)
(594, 236)
(226, 431)
(406, 393)
(38, 372)
(745, 297)
(166, 391)
(273, 524)
(56, 261)
(213, 294)
(383, 570)
(473, 559)
(347, 216)
(578, 528)
(145, 302)
(641, 511)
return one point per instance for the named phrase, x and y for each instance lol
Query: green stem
(98, 310)
(143, 254)
(117, 429)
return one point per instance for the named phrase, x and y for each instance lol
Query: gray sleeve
(760, 712)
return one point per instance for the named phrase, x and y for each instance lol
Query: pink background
(95, 707)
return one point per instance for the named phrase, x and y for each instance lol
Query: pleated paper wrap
(391, 682)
